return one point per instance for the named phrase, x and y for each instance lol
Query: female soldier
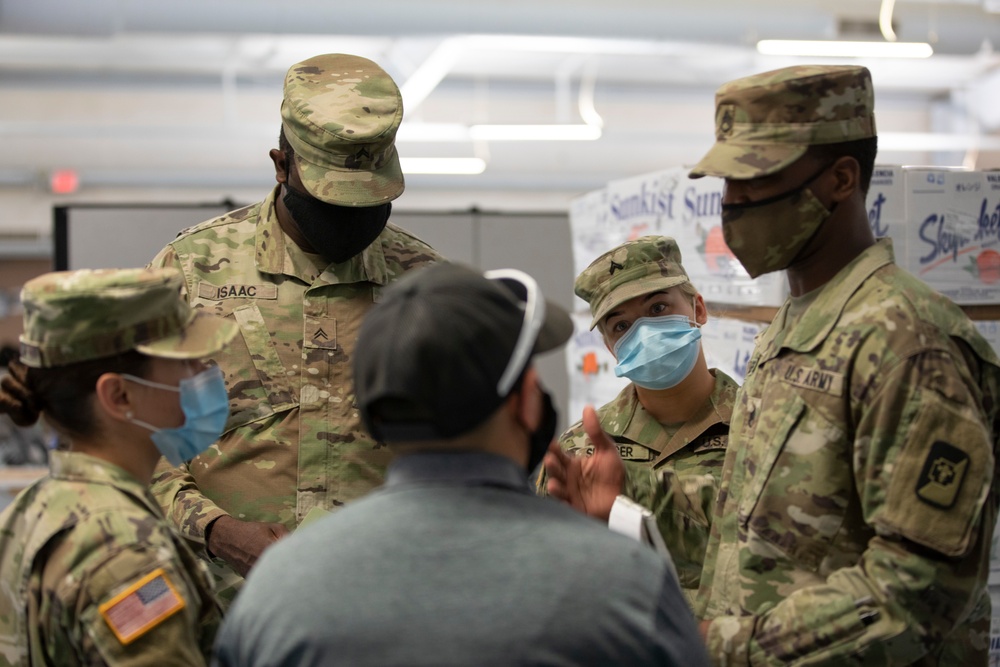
(90, 571)
(671, 423)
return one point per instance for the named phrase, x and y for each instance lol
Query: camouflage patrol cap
(340, 114)
(765, 122)
(72, 316)
(637, 267)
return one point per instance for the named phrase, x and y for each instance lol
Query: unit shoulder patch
(142, 606)
(942, 475)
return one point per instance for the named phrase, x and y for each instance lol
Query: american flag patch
(142, 606)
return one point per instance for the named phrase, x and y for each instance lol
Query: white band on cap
(534, 318)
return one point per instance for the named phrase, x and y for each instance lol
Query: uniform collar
(634, 419)
(813, 327)
(277, 254)
(78, 467)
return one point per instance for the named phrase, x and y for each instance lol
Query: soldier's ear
(526, 403)
(112, 396)
(280, 165)
(700, 310)
(847, 178)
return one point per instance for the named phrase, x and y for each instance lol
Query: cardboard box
(591, 369)
(887, 204)
(712, 267)
(729, 343)
(990, 330)
(945, 227)
(689, 210)
(953, 232)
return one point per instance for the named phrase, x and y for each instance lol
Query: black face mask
(337, 233)
(542, 437)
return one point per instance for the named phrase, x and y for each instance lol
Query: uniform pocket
(800, 481)
(256, 379)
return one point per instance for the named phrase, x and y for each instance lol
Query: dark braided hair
(63, 393)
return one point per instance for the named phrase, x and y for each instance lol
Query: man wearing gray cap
(858, 496)
(297, 272)
(455, 561)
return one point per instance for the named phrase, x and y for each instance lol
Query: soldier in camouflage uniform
(858, 496)
(674, 436)
(91, 572)
(857, 500)
(297, 272)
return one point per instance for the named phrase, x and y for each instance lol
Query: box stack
(945, 227)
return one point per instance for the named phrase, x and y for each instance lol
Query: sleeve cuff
(199, 527)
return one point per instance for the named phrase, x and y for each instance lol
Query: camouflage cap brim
(203, 335)
(353, 187)
(744, 161)
(630, 290)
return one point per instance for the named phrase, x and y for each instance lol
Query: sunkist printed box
(669, 203)
(945, 226)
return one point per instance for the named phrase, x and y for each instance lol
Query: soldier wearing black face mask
(334, 231)
(454, 561)
(297, 272)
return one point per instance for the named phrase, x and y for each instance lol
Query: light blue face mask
(658, 352)
(206, 409)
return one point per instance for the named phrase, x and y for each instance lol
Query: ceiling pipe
(885, 20)
(432, 72)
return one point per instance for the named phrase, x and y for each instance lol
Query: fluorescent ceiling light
(442, 165)
(840, 49)
(936, 142)
(534, 132)
(432, 132)
(454, 132)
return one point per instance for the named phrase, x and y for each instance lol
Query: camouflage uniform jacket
(676, 477)
(857, 498)
(294, 440)
(79, 541)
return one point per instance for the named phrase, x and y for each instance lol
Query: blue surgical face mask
(206, 409)
(658, 352)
